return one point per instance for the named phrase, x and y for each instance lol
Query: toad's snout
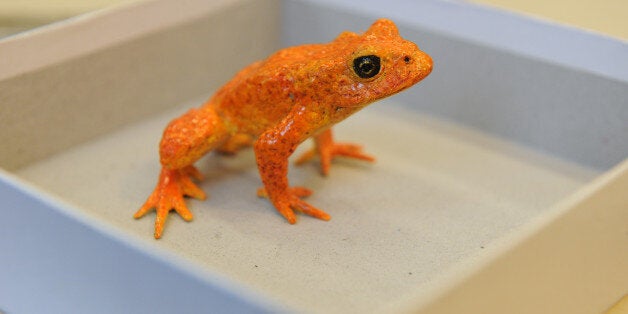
(424, 64)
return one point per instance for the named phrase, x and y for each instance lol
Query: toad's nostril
(406, 59)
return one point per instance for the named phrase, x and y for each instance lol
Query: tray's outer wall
(55, 263)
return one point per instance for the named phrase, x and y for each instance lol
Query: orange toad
(277, 103)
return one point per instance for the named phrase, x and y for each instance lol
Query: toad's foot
(168, 195)
(291, 200)
(329, 151)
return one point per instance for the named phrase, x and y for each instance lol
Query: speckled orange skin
(274, 105)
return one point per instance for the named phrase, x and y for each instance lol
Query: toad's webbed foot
(168, 195)
(290, 200)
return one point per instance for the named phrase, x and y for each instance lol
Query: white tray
(502, 154)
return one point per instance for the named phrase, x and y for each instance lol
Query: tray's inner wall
(560, 110)
(51, 109)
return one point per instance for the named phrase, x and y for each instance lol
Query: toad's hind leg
(185, 140)
(189, 137)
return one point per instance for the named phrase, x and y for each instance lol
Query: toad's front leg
(184, 141)
(272, 150)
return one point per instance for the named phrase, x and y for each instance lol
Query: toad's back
(261, 94)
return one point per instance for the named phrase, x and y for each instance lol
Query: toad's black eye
(366, 66)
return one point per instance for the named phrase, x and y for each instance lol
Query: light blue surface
(52, 261)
